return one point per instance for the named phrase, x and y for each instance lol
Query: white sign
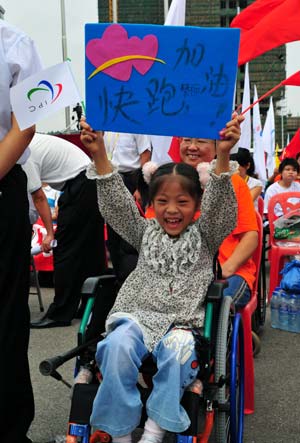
(43, 94)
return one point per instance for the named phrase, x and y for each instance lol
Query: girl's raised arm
(115, 202)
(219, 207)
(94, 143)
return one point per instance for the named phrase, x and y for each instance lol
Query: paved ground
(277, 415)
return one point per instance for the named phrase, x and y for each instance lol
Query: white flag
(43, 94)
(160, 147)
(176, 13)
(258, 155)
(245, 140)
(161, 144)
(268, 137)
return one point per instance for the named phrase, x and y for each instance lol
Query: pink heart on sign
(115, 43)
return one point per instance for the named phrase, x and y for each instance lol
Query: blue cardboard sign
(165, 80)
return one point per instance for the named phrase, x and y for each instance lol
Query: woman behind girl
(247, 172)
(162, 299)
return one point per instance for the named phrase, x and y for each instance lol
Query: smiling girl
(162, 299)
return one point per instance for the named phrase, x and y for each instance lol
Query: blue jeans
(117, 407)
(238, 290)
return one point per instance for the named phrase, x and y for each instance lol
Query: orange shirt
(246, 221)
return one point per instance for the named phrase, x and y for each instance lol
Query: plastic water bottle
(284, 311)
(37, 249)
(275, 304)
(293, 313)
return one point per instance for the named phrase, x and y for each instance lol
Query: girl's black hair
(243, 157)
(190, 179)
(289, 162)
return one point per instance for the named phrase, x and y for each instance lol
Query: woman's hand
(230, 135)
(91, 140)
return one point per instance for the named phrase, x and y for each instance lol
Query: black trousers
(80, 251)
(16, 397)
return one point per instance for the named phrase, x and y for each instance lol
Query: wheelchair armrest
(215, 290)
(91, 284)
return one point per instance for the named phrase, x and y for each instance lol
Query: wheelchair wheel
(229, 365)
(237, 382)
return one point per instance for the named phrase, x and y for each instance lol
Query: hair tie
(148, 170)
(202, 169)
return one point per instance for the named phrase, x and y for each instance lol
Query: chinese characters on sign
(159, 79)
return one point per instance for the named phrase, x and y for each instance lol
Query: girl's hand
(92, 140)
(94, 143)
(230, 135)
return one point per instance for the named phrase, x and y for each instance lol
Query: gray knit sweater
(170, 281)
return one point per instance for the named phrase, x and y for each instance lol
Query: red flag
(251, 15)
(174, 151)
(292, 80)
(292, 149)
(264, 29)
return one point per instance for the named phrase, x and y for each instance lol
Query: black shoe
(46, 322)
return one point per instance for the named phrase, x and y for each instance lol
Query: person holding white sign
(18, 60)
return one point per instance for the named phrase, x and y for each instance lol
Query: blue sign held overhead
(165, 80)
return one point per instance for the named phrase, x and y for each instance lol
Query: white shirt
(53, 160)
(33, 213)
(124, 150)
(18, 59)
(277, 189)
(160, 147)
(253, 183)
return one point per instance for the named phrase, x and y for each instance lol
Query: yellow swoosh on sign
(124, 58)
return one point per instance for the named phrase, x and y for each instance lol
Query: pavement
(277, 386)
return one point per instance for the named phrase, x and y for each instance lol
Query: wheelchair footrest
(75, 430)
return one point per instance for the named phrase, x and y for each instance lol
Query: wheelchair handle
(49, 366)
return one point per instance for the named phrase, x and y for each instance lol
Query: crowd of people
(166, 225)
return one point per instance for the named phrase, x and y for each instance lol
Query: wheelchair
(216, 415)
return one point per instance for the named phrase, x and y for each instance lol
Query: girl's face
(243, 170)
(174, 207)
